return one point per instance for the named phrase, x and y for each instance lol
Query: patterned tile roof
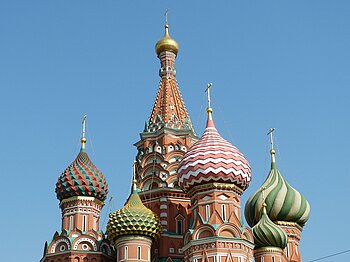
(81, 178)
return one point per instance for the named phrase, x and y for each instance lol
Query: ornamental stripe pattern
(213, 159)
(266, 233)
(284, 203)
(81, 178)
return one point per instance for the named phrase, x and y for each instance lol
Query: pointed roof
(169, 108)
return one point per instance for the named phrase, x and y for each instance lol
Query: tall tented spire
(169, 109)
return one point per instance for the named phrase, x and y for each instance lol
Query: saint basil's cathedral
(185, 202)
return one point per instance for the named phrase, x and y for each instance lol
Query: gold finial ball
(272, 151)
(83, 140)
(167, 43)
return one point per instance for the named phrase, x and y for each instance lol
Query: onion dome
(213, 159)
(268, 234)
(81, 178)
(133, 219)
(167, 43)
(284, 203)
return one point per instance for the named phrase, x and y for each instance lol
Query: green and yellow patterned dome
(133, 219)
(284, 203)
(268, 234)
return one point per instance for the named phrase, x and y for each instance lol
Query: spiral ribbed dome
(268, 234)
(284, 203)
(133, 219)
(81, 178)
(213, 159)
(167, 43)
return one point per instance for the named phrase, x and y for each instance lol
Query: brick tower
(167, 136)
(214, 174)
(132, 229)
(285, 206)
(81, 190)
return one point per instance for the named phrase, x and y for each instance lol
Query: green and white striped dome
(284, 203)
(268, 234)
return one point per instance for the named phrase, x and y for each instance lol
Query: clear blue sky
(282, 64)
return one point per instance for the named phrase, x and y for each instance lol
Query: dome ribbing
(213, 159)
(133, 219)
(81, 178)
(284, 203)
(268, 234)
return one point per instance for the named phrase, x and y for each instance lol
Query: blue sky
(282, 64)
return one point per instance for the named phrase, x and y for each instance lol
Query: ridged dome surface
(81, 178)
(284, 203)
(167, 43)
(213, 159)
(268, 234)
(133, 219)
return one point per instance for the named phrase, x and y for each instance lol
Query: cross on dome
(83, 138)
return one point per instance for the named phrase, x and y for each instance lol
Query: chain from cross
(270, 133)
(84, 126)
(209, 86)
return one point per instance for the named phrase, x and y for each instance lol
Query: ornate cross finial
(209, 86)
(270, 133)
(84, 126)
(83, 139)
(166, 16)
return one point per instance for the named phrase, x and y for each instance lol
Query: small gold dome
(167, 43)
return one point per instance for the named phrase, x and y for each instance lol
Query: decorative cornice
(82, 198)
(215, 185)
(262, 250)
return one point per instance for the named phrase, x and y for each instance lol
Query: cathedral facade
(185, 202)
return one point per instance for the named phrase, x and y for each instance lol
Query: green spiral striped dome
(133, 219)
(284, 203)
(268, 234)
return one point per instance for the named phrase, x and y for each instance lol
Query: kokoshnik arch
(185, 203)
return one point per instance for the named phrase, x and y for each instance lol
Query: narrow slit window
(207, 212)
(138, 252)
(223, 210)
(84, 224)
(126, 253)
(71, 221)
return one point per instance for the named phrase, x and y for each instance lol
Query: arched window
(179, 226)
(126, 253)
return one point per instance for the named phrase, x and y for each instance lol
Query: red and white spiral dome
(213, 159)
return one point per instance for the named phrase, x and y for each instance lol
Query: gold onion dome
(167, 43)
(133, 219)
(284, 203)
(268, 234)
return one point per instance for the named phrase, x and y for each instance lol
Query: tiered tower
(285, 206)
(132, 229)
(167, 136)
(214, 174)
(81, 190)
